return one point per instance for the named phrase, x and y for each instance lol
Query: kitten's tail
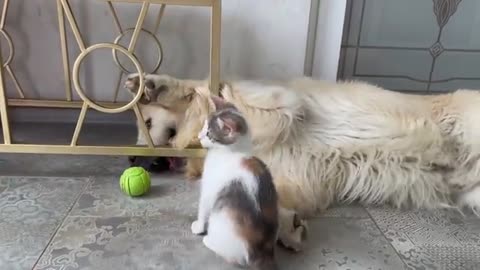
(265, 263)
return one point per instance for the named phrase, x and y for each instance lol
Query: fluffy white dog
(336, 142)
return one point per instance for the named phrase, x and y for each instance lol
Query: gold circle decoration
(157, 42)
(10, 47)
(81, 92)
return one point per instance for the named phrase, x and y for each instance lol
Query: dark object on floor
(157, 164)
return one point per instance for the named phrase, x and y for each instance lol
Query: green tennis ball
(135, 181)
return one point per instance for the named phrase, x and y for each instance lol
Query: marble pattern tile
(343, 243)
(31, 208)
(168, 194)
(437, 239)
(165, 242)
(346, 211)
(106, 229)
(149, 242)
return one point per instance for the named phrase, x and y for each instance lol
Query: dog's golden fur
(342, 142)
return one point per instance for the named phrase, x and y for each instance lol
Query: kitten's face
(205, 141)
(224, 127)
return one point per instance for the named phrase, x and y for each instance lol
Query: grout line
(389, 243)
(311, 38)
(322, 216)
(407, 48)
(63, 221)
(160, 213)
(359, 38)
(339, 217)
(78, 177)
(348, 24)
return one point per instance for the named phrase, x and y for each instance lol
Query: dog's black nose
(139, 161)
(172, 133)
(151, 164)
(131, 160)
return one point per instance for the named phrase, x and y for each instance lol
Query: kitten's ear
(228, 126)
(221, 104)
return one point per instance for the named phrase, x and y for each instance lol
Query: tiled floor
(67, 212)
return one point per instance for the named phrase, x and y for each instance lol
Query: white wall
(260, 39)
(328, 39)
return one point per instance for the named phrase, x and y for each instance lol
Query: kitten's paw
(198, 227)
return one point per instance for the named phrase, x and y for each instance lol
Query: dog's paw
(295, 240)
(193, 175)
(198, 227)
(193, 169)
(293, 231)
(133, 82)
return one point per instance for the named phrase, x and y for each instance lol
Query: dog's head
(162, 90)
(161, 124)
(161, 120)
(172, 106)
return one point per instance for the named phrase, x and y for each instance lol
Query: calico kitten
(238, 199)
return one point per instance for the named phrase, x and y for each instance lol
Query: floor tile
(338, 243)
(151, 242)
(168, 194)
(30, 211)
(346, 211)
(437, 239)
(165, 242)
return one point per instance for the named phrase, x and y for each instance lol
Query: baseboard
(51, 115)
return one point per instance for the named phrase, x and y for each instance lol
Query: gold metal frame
(65, 14)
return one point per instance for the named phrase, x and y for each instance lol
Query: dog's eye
(150, 84)
(171, 133)
(148, 123)
(297, 222)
